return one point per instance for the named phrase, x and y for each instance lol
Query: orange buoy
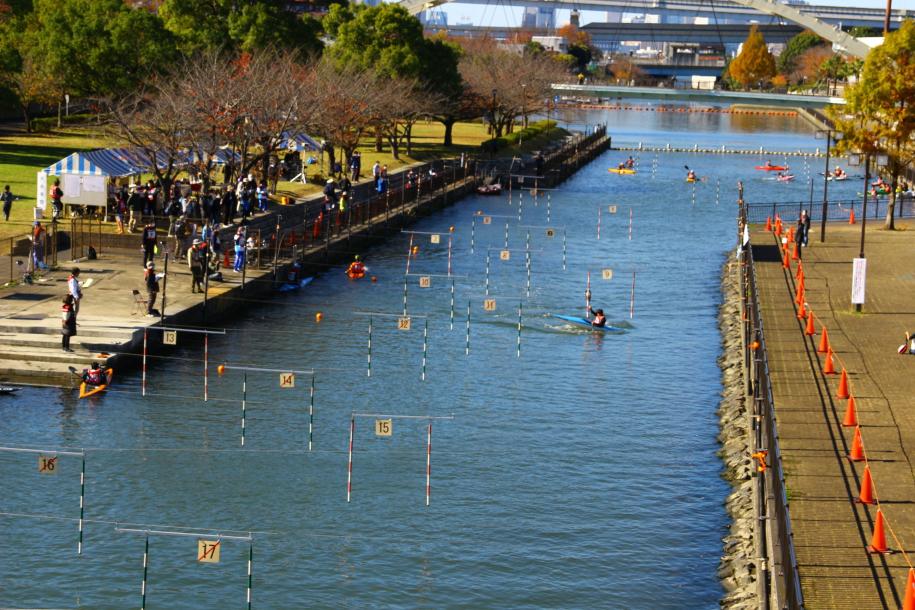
(851, 414)
(374, 279)
(754, 346)
(824, 348)
(415, 250)
(220, 370)
(843, 385)
(809, 330)
(866, 495)
(828, 366)
(878, 540)
(857, 447)
(319, 316)
(451, 229)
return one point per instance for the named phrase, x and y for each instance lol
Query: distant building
(557, 44)
(434, 18)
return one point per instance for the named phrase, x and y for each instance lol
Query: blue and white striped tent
(299, 141)
(94, 163)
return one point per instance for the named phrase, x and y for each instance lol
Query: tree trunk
(449, 128)
(27, 118)
(408, 132)
(379, 144)
(890, 222)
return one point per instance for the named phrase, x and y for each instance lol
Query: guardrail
(779, 577)
(838, 210)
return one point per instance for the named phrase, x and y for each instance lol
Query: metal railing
(778, 573)
(838, 209)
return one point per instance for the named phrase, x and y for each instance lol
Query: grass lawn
(23, 155)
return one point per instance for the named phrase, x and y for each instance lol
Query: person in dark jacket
(152, 288)
(67, 322)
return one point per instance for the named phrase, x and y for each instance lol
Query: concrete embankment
(112, 325)
(737, 569)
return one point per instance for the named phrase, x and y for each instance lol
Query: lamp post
(831, 136)
(855, 159)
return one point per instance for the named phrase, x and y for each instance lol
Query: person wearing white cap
(152, 287)
(195, 262)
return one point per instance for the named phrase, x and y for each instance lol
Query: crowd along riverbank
(292, 242)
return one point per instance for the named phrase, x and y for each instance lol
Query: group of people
(627, 164)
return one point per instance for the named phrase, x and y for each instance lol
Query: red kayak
(772, 168)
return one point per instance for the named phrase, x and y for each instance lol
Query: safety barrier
(838, 210)
(778, 573)
(686, 109)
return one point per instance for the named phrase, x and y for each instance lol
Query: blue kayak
(584, 322)
(294, 286)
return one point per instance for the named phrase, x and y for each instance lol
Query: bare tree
(397, 106)
(508, 85)
(346, 101)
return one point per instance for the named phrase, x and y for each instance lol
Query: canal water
(581, 474)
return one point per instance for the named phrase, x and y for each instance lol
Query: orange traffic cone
(851, 414)
(908, 601)
(857, 447)
(802, 310)
(768, 223)
(843, 385)
(878, 540)
(828, 366)
(810, 330)
(225, 259)
(799, 293)
(778, 226)
(799, 274)
(794, 255)
(851, 218)
(866, 495)
(824, 342)
(786, 264)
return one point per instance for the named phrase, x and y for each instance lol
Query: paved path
(831, 531)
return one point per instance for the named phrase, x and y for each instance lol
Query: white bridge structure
(755, 98)
(807, 16)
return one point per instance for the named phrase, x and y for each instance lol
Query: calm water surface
(581, 475)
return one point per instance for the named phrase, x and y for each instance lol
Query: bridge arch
(852, 45)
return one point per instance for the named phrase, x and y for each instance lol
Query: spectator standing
(39, 236)
(262, 195)
(149, 242)
(134, 208)
(800, 233)
(196, 265)
(67, 322)
(7, 199)
(74, 288)
(355, 165)
(376, 173)
(228, 206)
(239, 250)
(120, 208)
(57, 200)
(152, 288)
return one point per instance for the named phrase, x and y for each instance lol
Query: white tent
(84, 176)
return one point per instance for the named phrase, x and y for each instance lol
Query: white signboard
(41, 199)
(858, 276)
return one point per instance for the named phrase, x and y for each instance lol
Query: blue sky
(500, 13)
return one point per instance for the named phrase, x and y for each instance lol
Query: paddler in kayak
(600, 320)
(630, 163)
(838, 172)
(93, 375)
(691, 176)
(356, 269)
(768, 163)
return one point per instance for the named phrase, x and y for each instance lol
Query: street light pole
(825, 190)
(867, 179)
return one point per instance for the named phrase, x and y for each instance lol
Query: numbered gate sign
(170, 337)
(435, 238)
(487, 220)
(606, 274)
(505, 255)
(287, 380)
(612, 209)
(489, 304)
(384, 427)
(47, 464)
(425, 281)
(403, 323)
(550, 232)
(208, 551)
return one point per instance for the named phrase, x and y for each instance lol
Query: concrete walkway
(831, 531)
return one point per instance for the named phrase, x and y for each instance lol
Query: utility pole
(886, 17)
